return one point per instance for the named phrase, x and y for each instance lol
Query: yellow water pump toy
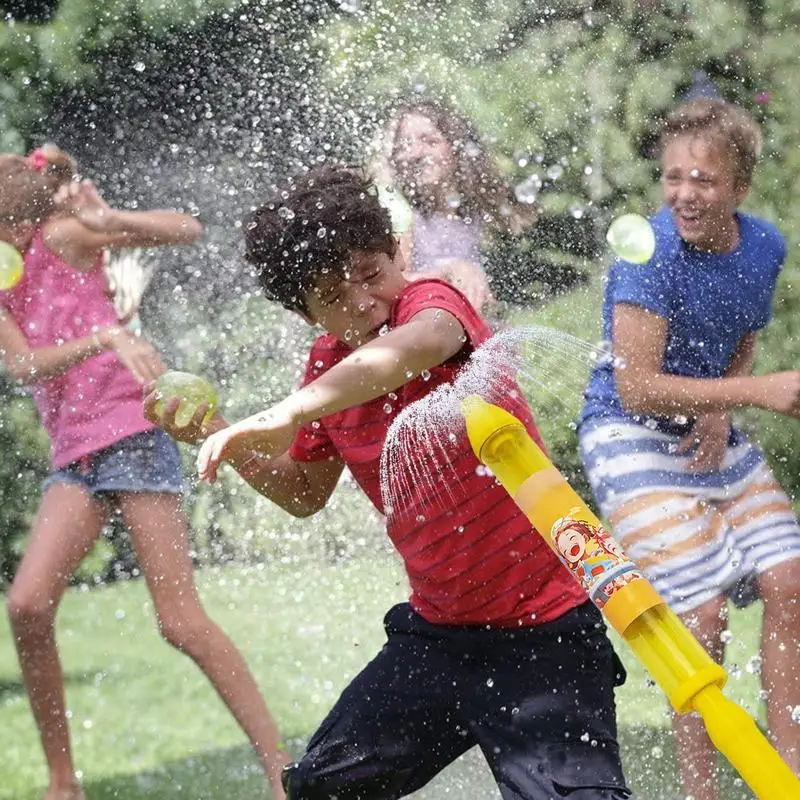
(674, 658)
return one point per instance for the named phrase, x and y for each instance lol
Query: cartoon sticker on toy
(593, 557)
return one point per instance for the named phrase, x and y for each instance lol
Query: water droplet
(555, 171)
(472, 149)
(753, 665)
(528, 190)
(726, 636)
(577, 210)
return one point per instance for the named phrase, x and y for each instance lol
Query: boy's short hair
(309, 226)
(725, 124)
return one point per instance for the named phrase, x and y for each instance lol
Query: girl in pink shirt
(59, 335)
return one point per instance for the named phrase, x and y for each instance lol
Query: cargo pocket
(585, 772)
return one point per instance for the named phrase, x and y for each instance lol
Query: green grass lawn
(146, 724)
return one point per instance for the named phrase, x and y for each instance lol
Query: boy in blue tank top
(688, 496)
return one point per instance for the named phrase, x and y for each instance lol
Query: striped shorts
(695, 535)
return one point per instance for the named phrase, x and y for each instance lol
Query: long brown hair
(28, 184)
(482, 189)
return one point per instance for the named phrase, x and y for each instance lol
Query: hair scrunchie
(37, 160)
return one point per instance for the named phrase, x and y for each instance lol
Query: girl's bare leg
(780, 650)
(67, 524)
(159, 532)
(697, 756)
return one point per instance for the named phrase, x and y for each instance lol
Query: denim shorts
(144, 462)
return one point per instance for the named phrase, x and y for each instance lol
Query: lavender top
(439, 238)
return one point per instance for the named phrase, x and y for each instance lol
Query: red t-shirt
(471, 555)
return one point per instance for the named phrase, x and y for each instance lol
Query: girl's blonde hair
(28, 184)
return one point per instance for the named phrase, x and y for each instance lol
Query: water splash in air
(428, 436)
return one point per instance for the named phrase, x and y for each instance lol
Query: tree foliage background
(199, 103)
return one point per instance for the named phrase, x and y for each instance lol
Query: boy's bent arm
(428, 339)
(640, 338)
(301, 488)
(298, 487)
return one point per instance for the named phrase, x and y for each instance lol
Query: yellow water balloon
(192, 390)
(11, 266)
(631, 238)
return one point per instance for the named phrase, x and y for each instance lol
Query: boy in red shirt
(498, 645)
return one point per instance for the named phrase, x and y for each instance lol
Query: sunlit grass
(147, 725)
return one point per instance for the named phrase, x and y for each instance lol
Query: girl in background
(59, 335)
(461, 212)
(455, 192)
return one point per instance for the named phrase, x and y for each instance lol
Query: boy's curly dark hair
(309, 226)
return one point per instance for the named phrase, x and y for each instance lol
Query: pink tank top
(98, 401)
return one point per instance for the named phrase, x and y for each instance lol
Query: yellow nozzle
(502, 443)
(484, 420)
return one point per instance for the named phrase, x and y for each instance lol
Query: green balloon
(632, 239)
(11, 266)
(193, 392)
(398, 208)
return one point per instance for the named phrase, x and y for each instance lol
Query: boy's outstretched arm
(428, 339)
(300, 488)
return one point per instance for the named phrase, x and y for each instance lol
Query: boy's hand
(780, 391)
(268, 433)
(710, 433)
(193, 431)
